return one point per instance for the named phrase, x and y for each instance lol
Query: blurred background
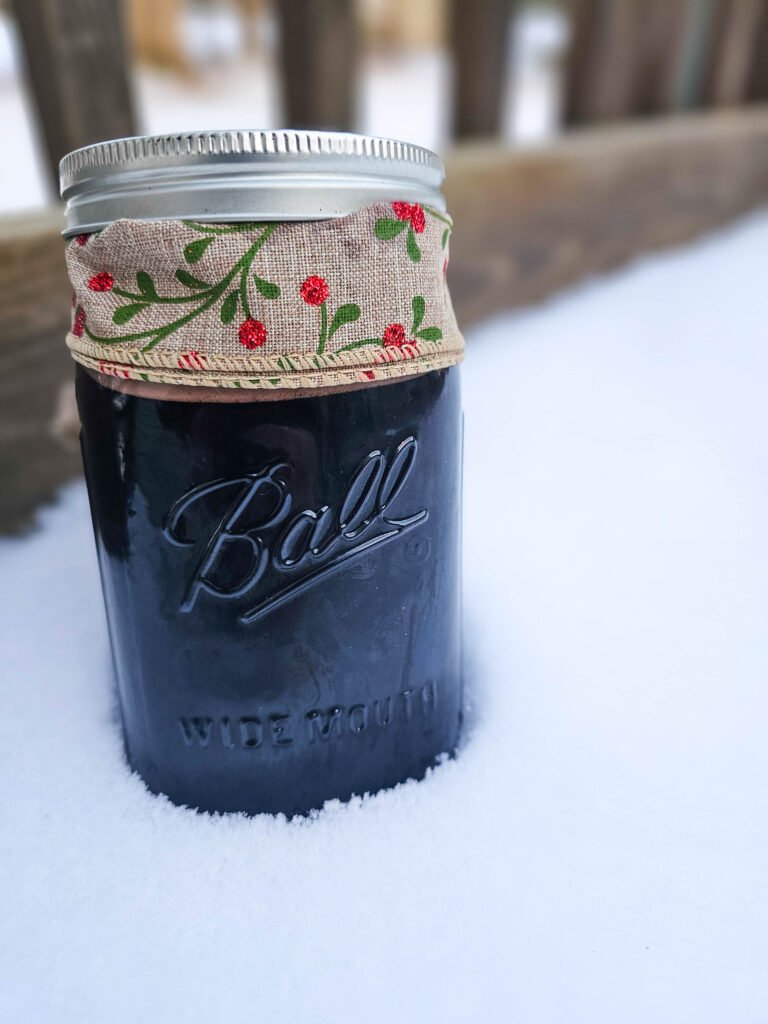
(578, 134)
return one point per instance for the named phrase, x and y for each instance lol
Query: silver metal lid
(243, 175)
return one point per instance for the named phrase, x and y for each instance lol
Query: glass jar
(280, 568)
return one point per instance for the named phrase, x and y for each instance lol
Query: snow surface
(597, 851)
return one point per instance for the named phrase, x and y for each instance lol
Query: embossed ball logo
(286, 553)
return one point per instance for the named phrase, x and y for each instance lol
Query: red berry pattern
(102, 282)
(394, 335)
(237, 289)
(252, 333)
(410, 219)
(412, 212)
(418, 220)
(315, 290)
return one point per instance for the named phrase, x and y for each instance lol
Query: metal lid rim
(293, 145)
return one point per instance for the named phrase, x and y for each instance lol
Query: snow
(597, 851)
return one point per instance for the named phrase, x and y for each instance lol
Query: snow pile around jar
(596, 853)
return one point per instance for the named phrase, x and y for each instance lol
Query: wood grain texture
(531, 223)
(38, 452)
(600, 65)
(623, 58)
(699, 51)
(736, 38)
(580, 54)
(758, 78)
(660, 27)
(318, 47)
(479, 35)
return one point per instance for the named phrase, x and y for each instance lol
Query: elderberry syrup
(282, 587)
(271, 436)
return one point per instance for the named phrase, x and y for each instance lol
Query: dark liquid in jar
(281, 583)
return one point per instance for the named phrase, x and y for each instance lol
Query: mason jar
(268, 385)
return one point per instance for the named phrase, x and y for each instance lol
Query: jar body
(282, 587)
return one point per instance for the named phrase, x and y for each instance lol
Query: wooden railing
(77, 70)
(625, 58)
(527, 223)
(648, 57)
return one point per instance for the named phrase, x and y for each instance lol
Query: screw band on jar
(310, 304)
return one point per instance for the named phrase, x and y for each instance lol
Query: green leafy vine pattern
(232, 292)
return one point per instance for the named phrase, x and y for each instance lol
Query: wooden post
(583, 17)
(479, 34)
(736, 38)
(76, 65)
(758, 78)
(601, 65)
(36, 458)
(318, 50)
(660, 31)
(693, 74)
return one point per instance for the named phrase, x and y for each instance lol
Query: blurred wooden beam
(479, 32)
(529, 223)
(318, 50)
(758, 79)
(735, 48)
(698, 52)
(600, 63)
(38, 435)
(660, 27)
(75, 60)
(582, 16)
(622, 58)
